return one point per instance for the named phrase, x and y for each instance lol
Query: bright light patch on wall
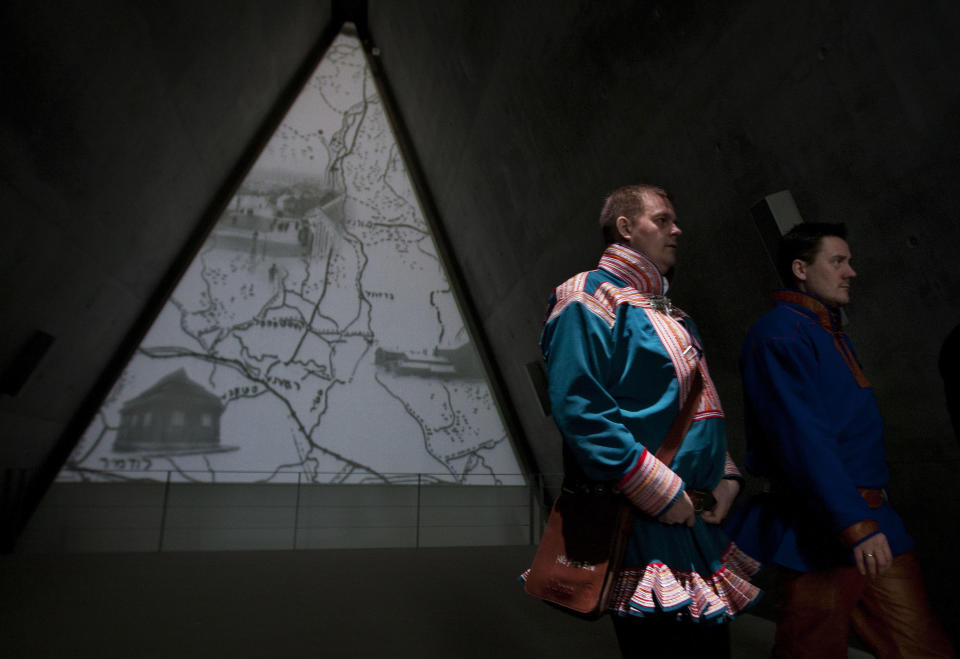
(315, 337)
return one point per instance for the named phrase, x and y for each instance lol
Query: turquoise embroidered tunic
(620, 361)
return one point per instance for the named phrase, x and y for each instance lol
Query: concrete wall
(120, 124)
(524, 115)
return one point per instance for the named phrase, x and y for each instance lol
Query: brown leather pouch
(581, 549)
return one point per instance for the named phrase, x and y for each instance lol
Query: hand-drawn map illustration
(315, 336)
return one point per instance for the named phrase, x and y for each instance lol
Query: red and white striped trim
(651, 485)
(658, 587)
(634, 268)
(603, 302)
(740, 563)
(730, 468)
(685, 355)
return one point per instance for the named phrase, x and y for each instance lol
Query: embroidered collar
(634, 268)
(830, 321)
(826, 316)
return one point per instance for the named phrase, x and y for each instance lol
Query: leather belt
(703, 500)
(874, 497)
(601, 488)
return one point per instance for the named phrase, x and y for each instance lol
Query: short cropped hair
(803, 242)
(626, 201)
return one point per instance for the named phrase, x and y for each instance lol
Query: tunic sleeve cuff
(857, 533)
(651, 485)
(730, 470)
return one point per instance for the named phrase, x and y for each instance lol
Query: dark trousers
(663, 636)
(890, 613)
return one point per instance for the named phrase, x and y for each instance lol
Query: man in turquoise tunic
(815, 434)
(620, 360)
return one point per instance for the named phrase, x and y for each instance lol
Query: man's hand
(681, 512)
(724, 493)
(873, 555)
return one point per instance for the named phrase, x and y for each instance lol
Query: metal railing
(174, 510)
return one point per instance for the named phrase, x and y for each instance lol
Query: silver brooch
(661, 303)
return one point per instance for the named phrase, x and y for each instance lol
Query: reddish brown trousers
(890, 613)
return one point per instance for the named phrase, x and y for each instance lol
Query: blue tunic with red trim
(814, 431)
(620, 361)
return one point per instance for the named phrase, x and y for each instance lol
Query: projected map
(315, 336)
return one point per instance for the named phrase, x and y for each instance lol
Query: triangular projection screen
(316, 335)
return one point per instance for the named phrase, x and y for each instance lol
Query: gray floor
(330, 603)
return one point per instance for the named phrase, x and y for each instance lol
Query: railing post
(419, 503)
(296, 512)
(163, 512)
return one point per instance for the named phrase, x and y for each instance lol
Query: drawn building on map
(175, 414)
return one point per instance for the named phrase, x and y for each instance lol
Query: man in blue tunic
(620, 362)
(815, 434)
